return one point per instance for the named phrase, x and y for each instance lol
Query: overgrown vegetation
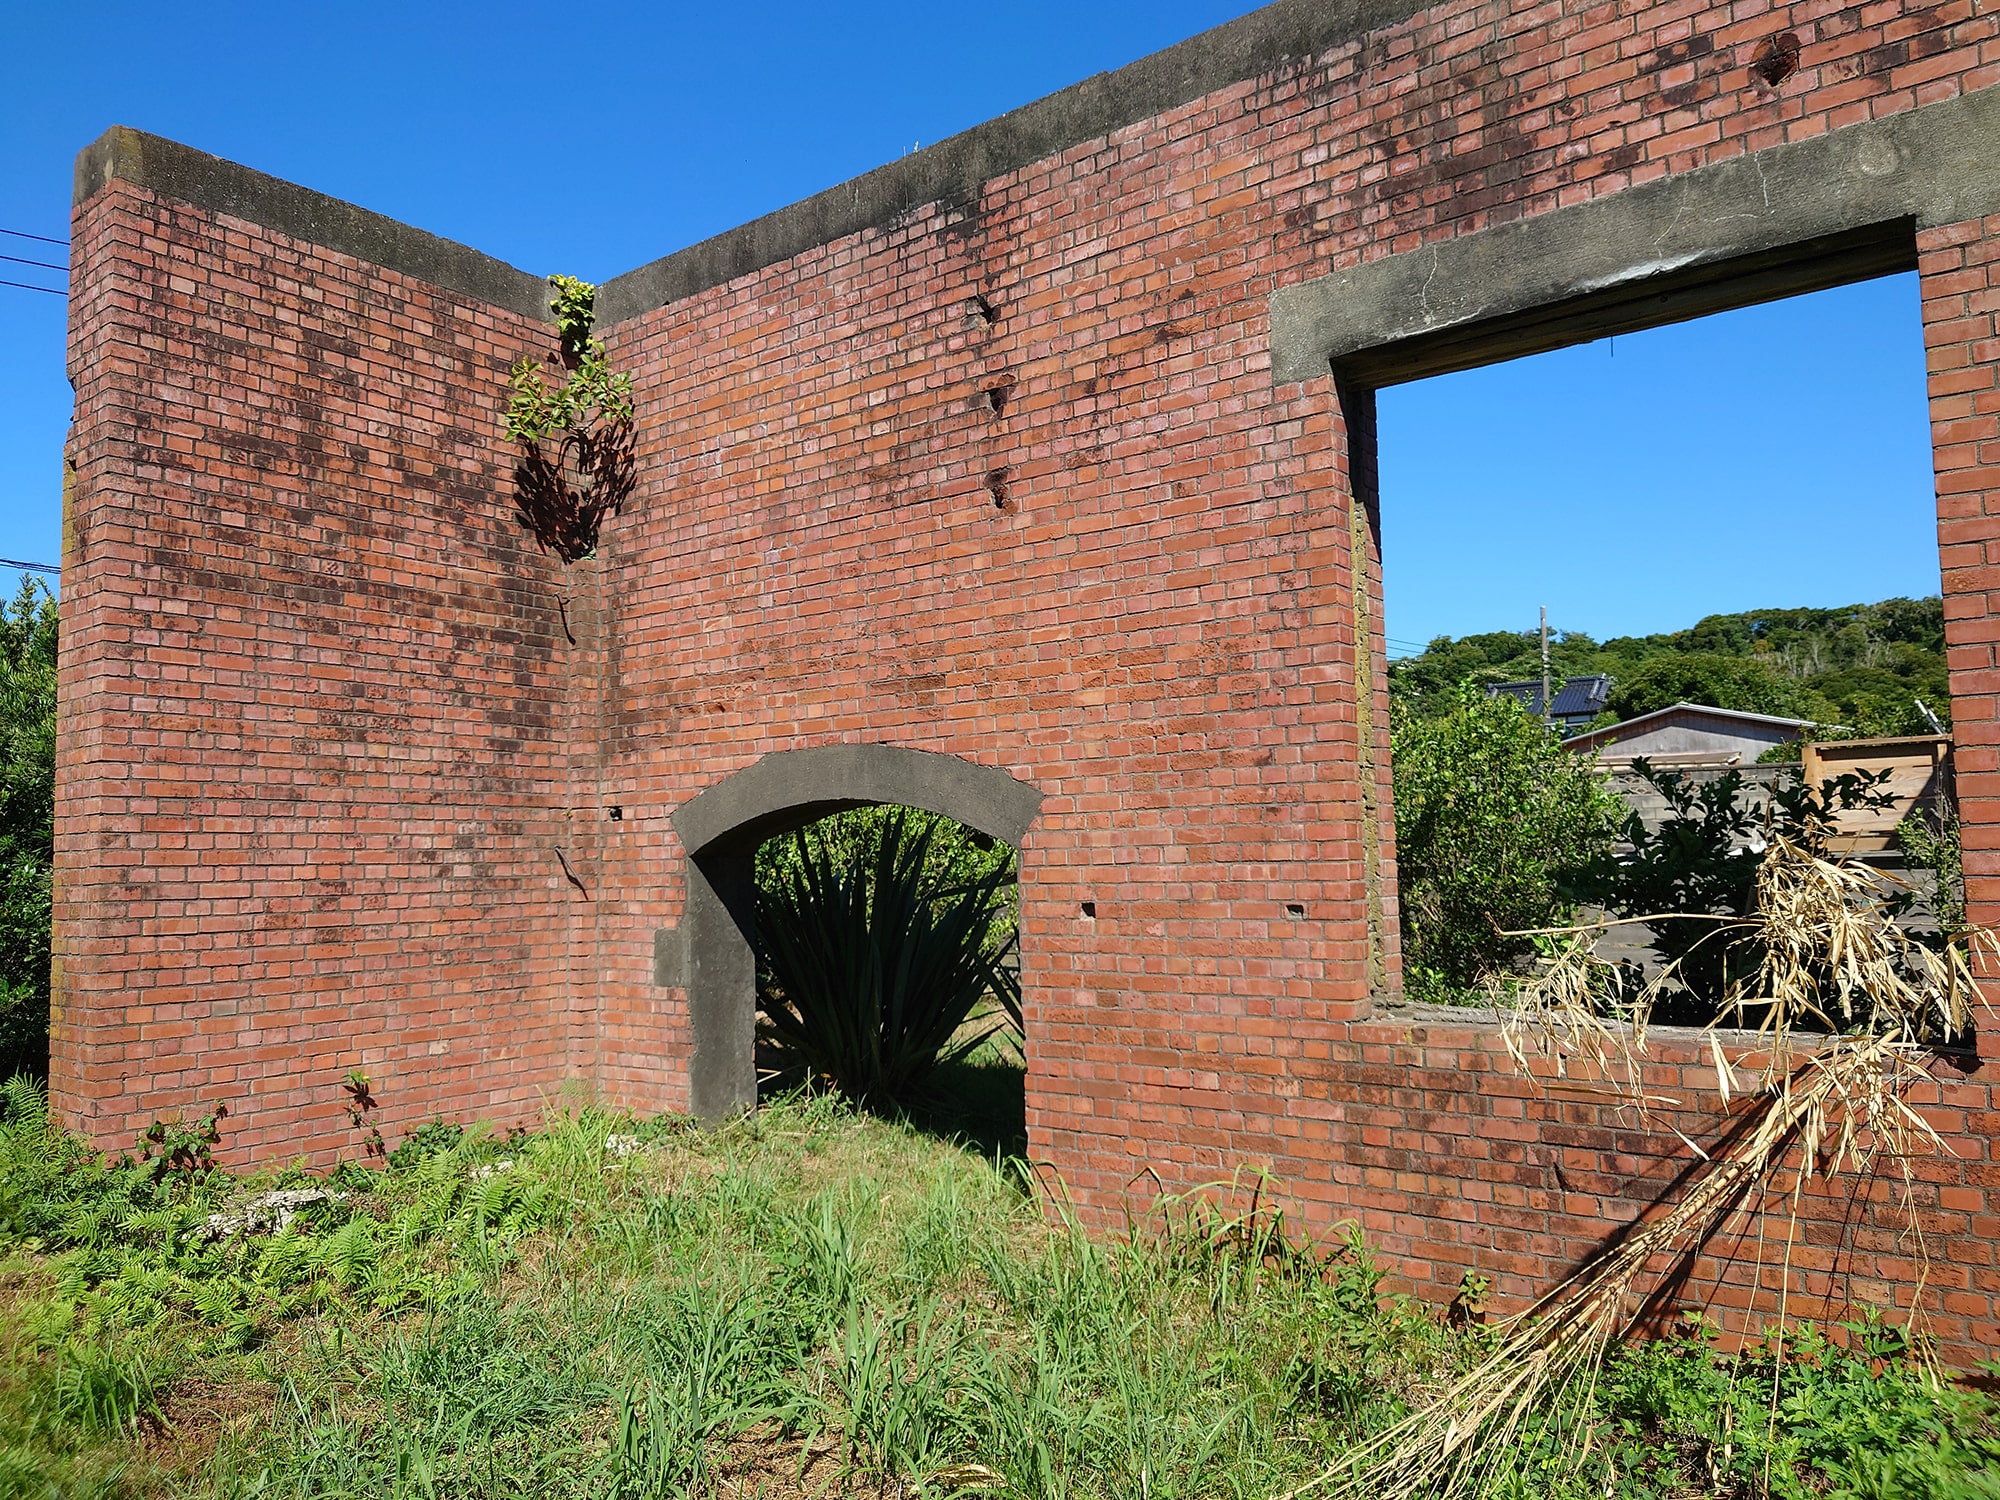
(1864, 667)
(575, 436)
(27, 824)
(1832, 962)
(886, 943)
(1693, 877)
(809, 1301)
(1930, 842)
(1495, 825)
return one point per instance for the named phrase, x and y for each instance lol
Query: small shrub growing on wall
(1494, 821)
(576, 437)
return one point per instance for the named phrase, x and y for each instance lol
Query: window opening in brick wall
(1737, 512)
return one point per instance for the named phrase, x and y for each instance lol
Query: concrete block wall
(1008, 452)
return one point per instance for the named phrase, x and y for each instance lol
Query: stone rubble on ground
(268, 1213)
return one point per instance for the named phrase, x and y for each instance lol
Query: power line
(53, 291)
(22, 234)
(28, 567)
(46, 265)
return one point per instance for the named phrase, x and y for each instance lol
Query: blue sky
(1774, 457)
(1766, 458)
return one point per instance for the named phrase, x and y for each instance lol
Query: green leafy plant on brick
(575, 434)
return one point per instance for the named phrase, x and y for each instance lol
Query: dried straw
(1835, 961)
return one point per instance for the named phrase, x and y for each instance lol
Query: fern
(24, 1104)
(350, 1254)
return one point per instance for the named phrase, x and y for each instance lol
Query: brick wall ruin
(1036, 473)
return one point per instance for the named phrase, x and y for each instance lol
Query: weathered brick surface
(315, 725)
(1082, 538)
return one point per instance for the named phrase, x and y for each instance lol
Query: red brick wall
(1158, 632)
(1132, 584)
(314, 739)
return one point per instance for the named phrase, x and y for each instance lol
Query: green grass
(810, 1301)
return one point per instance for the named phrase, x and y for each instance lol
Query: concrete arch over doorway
(721, 829)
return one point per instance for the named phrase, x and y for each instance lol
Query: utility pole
(1548, 716)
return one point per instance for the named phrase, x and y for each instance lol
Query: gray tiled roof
(1578, 698)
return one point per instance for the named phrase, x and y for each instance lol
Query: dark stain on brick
(1624, 158)
(1674, 54)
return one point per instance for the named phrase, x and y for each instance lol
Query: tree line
(1862, 667)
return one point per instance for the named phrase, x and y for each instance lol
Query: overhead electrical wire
(29, 567)
(40, 265)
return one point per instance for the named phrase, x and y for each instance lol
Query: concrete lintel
(790, 787)
(1790, 218)
(953, 170)
(208, 182)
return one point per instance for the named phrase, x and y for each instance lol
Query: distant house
(1578, 700)
(1690, 734)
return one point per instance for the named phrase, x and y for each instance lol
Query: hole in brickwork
(979, 312)
(996, 397)
(1294, 909)
(617, 813)
(1733, 524)
(1090, 910)
(1777, 58)
(996, 486)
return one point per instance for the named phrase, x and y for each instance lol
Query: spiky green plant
(872, 967)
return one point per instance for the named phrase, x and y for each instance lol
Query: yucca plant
(872, 966)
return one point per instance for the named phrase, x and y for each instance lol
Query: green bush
(1931, 843)
(874, 957)
(27, 824)
(1494, 820)
(1850, 1411)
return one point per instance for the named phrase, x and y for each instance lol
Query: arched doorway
(721, 830)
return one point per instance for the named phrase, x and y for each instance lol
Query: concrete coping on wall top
(208, 182)
(951, 171)
(1793, 217)
(1427, 1023)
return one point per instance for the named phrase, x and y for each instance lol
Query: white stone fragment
(267, 1213)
